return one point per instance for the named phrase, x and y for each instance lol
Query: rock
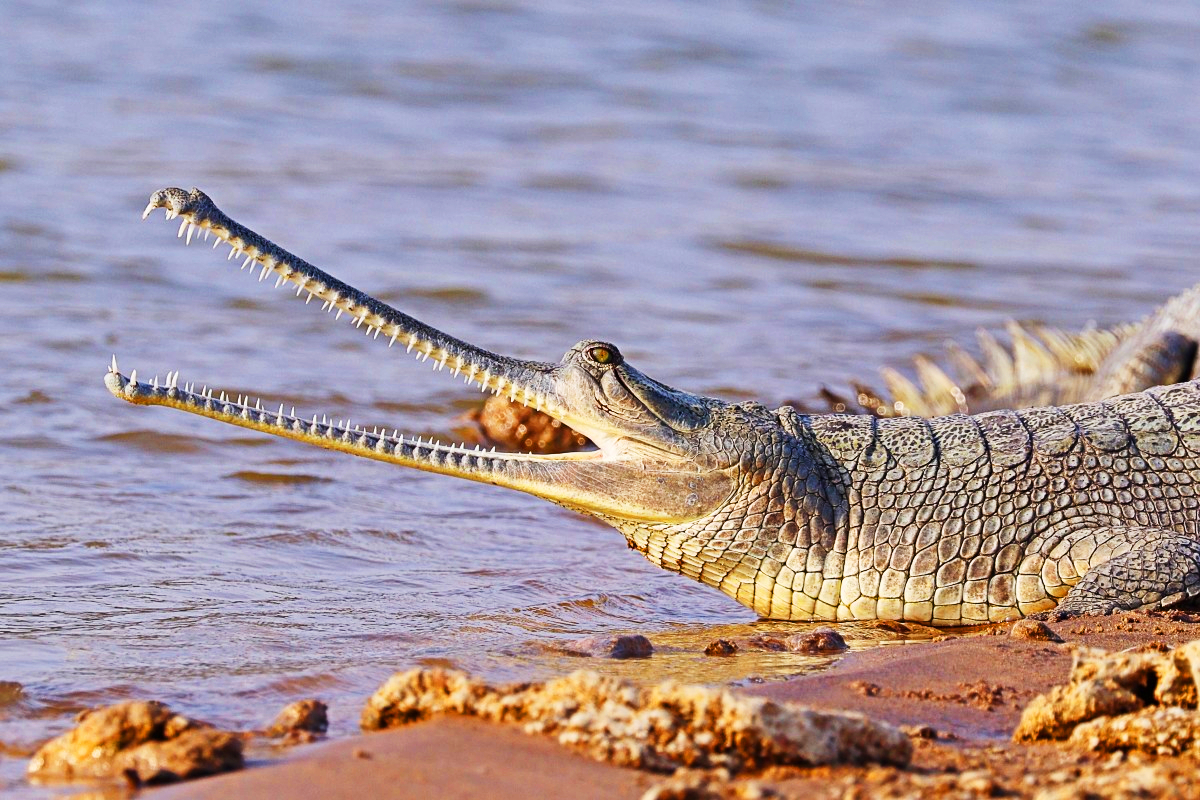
(635, 646)
(771, 644)
(1055, 715)
(142, 739)
(511, 425)
(301, 719)
(816, 642)
(1133, 700)
(721, 647)
(1177, 677)
(1161, 730)
(920, 731)
(1035, 630)
(717, 784)
(658, 728)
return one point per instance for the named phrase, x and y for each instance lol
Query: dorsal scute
(909, 440)
(959, 440)
(1102, 428)
(1007, 438)
(1053, 432)
(846, 436)
(1182, 403)
(1147, 422)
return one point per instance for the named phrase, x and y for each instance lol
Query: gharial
(1087, 508)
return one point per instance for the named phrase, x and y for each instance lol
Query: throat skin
(948, 521)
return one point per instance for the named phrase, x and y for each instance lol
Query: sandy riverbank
(961, 698)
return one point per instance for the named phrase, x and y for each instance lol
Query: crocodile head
(660, 454)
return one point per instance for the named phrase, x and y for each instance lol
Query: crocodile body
(1085, 508)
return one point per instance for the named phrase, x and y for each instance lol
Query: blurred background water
(752, 199)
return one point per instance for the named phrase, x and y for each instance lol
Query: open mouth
(527, 383)
(640, 471)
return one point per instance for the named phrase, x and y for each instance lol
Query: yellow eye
(601, 355)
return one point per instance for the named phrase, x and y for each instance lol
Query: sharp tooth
(442, 363)
(149, 208)
(154, 382)
(206, 234)
(299, 289)
(113, 368)
(264, 272)
(246, 263)
(182, 228)
(230, 256)
(133, 378)
(191, 230)
(339, 313)
(411, 342)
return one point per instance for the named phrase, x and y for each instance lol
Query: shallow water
(751, 200)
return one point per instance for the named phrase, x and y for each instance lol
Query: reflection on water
(751, 201)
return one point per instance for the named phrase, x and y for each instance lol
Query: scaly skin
(944, 521)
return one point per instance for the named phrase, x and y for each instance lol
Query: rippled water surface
(751, 199)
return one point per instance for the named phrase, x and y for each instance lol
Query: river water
(750, 199)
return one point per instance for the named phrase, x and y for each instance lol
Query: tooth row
(360, 315)
(376, 438)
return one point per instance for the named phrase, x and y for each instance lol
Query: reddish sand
(968, 691)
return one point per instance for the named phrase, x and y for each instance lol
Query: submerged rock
(634, 646)
(1142, 700)
(721, 647)
(817, 642)
(302, 720)
(140, 740)
(658, 728)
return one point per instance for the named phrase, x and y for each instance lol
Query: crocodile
(1080, 509)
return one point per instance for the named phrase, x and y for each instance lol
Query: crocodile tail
(1039, 366)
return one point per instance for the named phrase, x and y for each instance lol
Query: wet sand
(960, 698)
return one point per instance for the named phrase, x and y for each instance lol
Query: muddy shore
(959, 698)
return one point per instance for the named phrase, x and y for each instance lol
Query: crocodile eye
(601, 355)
